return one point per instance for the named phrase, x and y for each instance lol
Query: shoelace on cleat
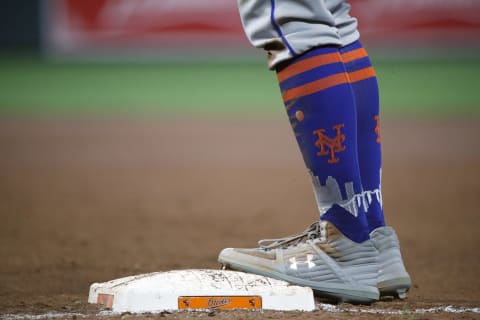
(314, 231)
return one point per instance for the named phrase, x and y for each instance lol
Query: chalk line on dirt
(48, 315)
(445, 309)
(320, 307)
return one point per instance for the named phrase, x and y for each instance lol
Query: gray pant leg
(346, 24)
(287, 28)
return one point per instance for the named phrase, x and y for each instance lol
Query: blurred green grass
(32, 86)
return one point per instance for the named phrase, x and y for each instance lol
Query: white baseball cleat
(393, 279)
(320, 257)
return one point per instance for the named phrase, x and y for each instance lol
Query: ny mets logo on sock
(377, 128)
(330, 146)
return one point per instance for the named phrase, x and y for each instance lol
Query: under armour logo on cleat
(294, 263)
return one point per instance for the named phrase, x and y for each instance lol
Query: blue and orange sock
(356, 60)
(320, 104)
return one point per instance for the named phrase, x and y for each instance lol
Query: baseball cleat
(320, 257)
(393, 279)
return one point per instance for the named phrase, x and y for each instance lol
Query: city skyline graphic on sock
(330, 193)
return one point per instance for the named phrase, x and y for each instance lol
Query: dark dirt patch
(85, 201)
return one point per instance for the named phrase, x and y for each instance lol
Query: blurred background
(130, 125)
(191, 57)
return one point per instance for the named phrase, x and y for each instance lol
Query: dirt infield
(89, 200)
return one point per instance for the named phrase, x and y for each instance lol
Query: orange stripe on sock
(315, 86)
(354, 55)
(328, 82)
(361, 74)
(320, 60)
(308, 64)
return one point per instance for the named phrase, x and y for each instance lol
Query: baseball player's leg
(357, 62)
(334, 256)
(288, 29)
(321, 107)
(392, 277)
